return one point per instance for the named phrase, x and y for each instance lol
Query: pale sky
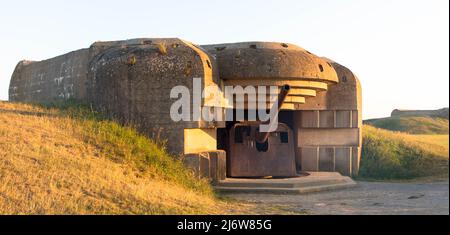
(399, 49)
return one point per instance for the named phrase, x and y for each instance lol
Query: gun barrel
(262, 137)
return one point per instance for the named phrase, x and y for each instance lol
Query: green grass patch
(412, 125)
(396, 155)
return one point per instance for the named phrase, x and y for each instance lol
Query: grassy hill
(396, 155)
(70, 161)
(412, 125)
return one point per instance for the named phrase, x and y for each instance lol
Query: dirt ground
(367, 198)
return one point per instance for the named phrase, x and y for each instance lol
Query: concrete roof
(270, 60)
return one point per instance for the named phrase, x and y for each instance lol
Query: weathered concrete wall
(62, 77)
(211, 164)
(329, 127)
(131, 81)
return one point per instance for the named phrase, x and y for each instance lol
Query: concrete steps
(315, 182)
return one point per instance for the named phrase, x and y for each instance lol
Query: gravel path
(368, 198)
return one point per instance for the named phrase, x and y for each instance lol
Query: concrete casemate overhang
(273, 64)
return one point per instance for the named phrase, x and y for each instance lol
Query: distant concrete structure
(130, 81)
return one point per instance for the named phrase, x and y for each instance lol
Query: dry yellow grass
(438, 144)
(46, 167)
(162, 48)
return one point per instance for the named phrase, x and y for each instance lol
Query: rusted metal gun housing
(248, 158)
(253, 153)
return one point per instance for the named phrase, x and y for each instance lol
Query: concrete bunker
(319, 116)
